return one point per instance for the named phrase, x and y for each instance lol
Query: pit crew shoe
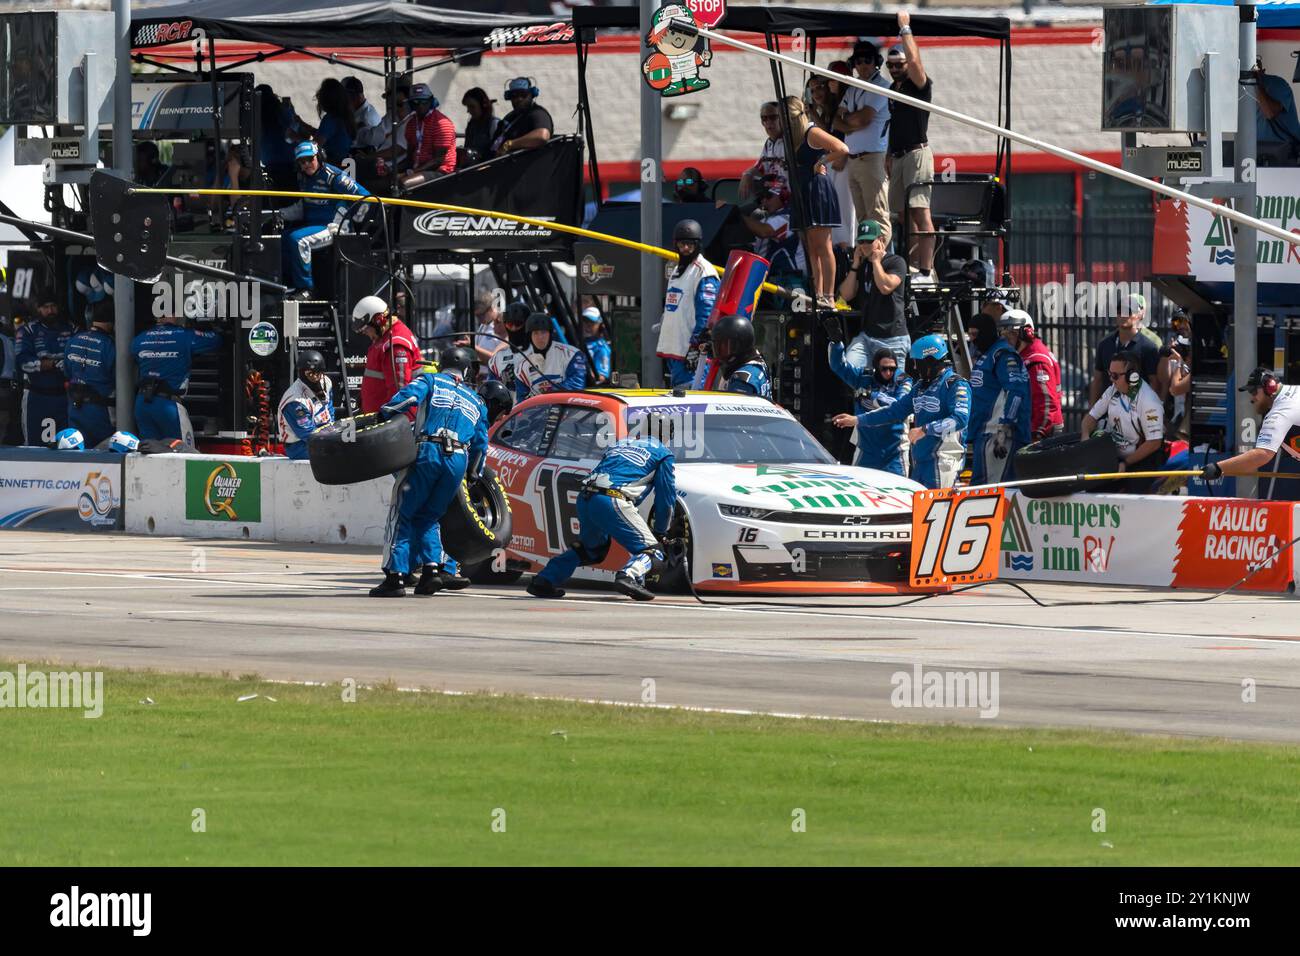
(409, 579)
(391, 587)
(453, 582)
(542, 588)
(430, 583)
(632, 587)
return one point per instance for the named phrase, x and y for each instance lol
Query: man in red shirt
(393, 358)
(1046, 416)
(430, 140)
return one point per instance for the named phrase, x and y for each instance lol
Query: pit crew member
(502, 366)
(163, 356)
(594, 337)
(879, 446)
(940, 402)
(688, 302)
(40, 344)
(736, 365)
(393, 357)
(322, 218)
(91, 365)
(1277, 448)
(607, 509)
(1046, 415)
(999, 413)
(451, 428)
(548, 366)
(307, 404)
(1131, 411)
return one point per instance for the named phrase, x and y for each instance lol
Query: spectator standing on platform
(863, 118)
(910, 158)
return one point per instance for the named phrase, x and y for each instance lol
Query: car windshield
(727, 439)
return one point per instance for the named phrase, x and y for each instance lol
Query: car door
(574, 450)
(516, 453)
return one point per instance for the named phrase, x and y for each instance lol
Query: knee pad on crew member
(591, 556)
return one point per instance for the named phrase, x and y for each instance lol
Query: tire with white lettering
(360, 448)
(1066, 455)
(478, 524)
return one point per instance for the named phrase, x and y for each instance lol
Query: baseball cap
(896, 54)
(421, 91)
(864, 50)
(1256, 379)
(353, 85)
(306, 149)
(1134, 303)
(520, 84)
(591, 314)
(869, 230)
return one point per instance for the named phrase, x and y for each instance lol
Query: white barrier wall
(258, 499)
(1156, 541)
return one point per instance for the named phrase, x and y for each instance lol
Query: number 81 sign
(955, 537)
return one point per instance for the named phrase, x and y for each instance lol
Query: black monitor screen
(1136, 69)
(27, 73)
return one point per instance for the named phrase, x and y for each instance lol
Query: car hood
(826, 489)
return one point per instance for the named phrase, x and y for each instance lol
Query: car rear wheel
(478, 523)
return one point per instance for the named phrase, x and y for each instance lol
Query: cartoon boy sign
(674, 69)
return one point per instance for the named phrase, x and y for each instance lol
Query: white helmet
(367, 311)
(1017, 319)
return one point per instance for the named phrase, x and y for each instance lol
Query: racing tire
(360, 449)
(478, 522)
(1069, 454)
(673, 577)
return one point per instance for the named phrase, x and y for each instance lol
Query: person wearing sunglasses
(1277, 446)
(528, 125)
(1131, 412)
(691, 187)
(771, 160)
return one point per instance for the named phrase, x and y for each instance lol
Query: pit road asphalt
(300, 613)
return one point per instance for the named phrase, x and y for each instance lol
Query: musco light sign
(442, 224)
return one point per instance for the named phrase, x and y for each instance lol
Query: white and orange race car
(761, 506)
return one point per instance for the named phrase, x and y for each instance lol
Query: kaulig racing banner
(60, 490)
(1154, 541)
(544, 184)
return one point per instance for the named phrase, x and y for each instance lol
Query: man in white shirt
(863, 118)
(370, 127)
(771, 160)
(1132, 412)
(1277, 447)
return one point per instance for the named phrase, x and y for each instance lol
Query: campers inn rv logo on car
(223, 491)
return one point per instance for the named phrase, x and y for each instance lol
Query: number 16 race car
(761, 508)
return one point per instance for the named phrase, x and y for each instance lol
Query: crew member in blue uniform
(940, 402)
(91, 365)
(307, 405)
(451, 427)
(879, 446)
(736, 365)
(163, 357)
(595, 338)
(40, 344)
(607, 509)
(1000, 404)
(322, 219)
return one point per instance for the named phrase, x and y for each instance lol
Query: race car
(761, 506)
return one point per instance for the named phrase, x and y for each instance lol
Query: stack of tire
(352, 450)
(1068, 455)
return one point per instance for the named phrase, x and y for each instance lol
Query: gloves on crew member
(1211, 472)
(1002, 441)
(834, 329)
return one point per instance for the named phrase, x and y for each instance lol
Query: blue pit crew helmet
(123, 442)
(70, 440)
(929, 346)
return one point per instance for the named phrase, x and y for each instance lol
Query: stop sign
(707, 13)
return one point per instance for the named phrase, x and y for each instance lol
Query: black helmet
(496, 397)
(737, 330)
(537, 322)
(456, 359)
(689, 230)
(517, 313)
(309, 360)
